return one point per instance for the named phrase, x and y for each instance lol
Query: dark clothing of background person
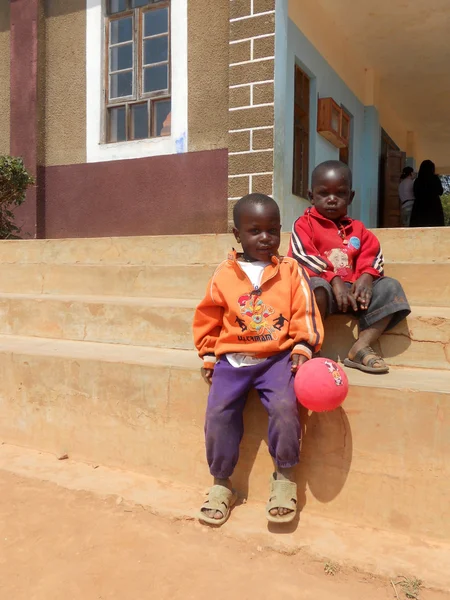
(427, 210)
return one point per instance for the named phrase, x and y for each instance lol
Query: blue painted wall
(292, 47)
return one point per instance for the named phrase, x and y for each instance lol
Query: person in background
(427, 209)
(406, 194)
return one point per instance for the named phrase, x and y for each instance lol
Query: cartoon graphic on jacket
(326, 249)
(280, 315)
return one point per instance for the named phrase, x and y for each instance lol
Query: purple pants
(224, 425)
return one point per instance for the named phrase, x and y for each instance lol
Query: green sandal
(283, 494)
(219, 498)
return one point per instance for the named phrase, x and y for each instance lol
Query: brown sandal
(357, 362)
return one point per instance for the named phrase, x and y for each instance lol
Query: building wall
(4, 78)
(337, 51)
(325, 82)
(175, 194)
(145, 193)
(343, 58)
(208, 35)
(391, 122)
(65, 82)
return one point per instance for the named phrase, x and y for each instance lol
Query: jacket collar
(312, 212)
(233, 257)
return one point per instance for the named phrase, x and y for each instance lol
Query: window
(301, 134)
(137, 90)
(333, 122)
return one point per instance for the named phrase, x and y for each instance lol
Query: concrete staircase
(96, 360)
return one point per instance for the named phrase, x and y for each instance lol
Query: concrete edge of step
(399, 378)
(377, 552)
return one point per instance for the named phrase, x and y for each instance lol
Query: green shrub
(445, 179)
(14, 182)
(446, 205)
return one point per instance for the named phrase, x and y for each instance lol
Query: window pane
(121, 57)
(136, 3)
(121, 30)
(335, 119)
(155, 78)
(121, 84)
(139, 121)
(156, 50)
(162, 117)
(345, 127)
(156, 21)
(117, 127)
(116, 6)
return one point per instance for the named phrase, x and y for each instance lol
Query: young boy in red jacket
(256, 324)
(345, 263)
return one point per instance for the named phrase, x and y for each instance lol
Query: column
(251, 97)
(26, 18)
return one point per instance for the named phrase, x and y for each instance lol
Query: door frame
(387, 144)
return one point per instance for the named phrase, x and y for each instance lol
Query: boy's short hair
(251, 200)
(331, 164)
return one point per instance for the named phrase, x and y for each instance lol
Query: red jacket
(327, 249)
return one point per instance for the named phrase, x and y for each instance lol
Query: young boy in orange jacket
(257, 323)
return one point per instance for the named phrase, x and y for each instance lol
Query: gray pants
(388, 299)
(405, 212)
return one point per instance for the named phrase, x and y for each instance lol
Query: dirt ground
(58, 543)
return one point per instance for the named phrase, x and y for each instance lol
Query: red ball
(321, 385)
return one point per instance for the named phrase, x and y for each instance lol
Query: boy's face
(331, 193)
(259, 232)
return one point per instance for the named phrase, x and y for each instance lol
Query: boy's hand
(207, 375)
(297, 361)
(344, 297)
(362, 290)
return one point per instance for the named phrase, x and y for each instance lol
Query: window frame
(138, 96)
(346, 152)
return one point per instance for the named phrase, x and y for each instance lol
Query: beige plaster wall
(208, 43)
(344, 57)
(65, 82)
(313, 22)
(391, 122)
(4, 78)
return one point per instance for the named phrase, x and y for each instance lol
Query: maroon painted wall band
(161, 195)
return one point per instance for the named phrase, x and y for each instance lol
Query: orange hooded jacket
(234, 317)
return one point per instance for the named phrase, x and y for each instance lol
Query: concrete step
(382, 461)
(158, 322)
(425, 284)
(423, 341)
(109, 280)
(418, 245)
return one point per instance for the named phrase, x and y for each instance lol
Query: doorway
(392, 161)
